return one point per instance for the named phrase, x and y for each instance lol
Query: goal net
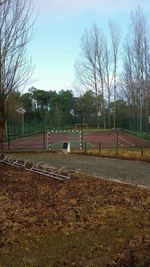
(56, 139)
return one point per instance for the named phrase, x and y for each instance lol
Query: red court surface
(107, 139)
(112, 138)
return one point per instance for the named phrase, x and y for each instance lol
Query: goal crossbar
(55, 133)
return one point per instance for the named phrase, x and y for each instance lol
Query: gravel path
(123, 170)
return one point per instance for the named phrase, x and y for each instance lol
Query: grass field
(82, 222)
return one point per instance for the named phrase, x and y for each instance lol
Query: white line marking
(121, 144)
(124, 140)
(90, 144)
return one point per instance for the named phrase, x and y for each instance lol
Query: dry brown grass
(82, 222)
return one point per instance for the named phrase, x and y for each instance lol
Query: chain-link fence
(79, 140)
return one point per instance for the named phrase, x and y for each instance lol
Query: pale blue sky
(58, 30)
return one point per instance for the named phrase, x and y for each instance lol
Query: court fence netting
(78, 140)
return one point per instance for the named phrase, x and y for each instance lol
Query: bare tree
(108, 78)
(101, 71)
(15, 33)
(136, 69)
(115, 40)
(89, 69)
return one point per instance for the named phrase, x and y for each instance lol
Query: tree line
(113, 78)
(117, 70)
(113, 83)
(43, 110)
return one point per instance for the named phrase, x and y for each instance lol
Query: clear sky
(58, 29)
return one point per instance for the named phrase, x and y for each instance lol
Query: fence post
(99, 148)
(85, 144)
(49, 140)
(142, 151)
(82, 139)
(117, 141)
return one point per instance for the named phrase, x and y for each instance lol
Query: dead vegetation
(81, 222)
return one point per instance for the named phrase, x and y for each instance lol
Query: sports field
(110, 139)
(106, 139)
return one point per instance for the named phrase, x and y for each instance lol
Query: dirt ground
(123, 170)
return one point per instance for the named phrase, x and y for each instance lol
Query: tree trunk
(1, 138)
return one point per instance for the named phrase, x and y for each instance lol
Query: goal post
(56, 139)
